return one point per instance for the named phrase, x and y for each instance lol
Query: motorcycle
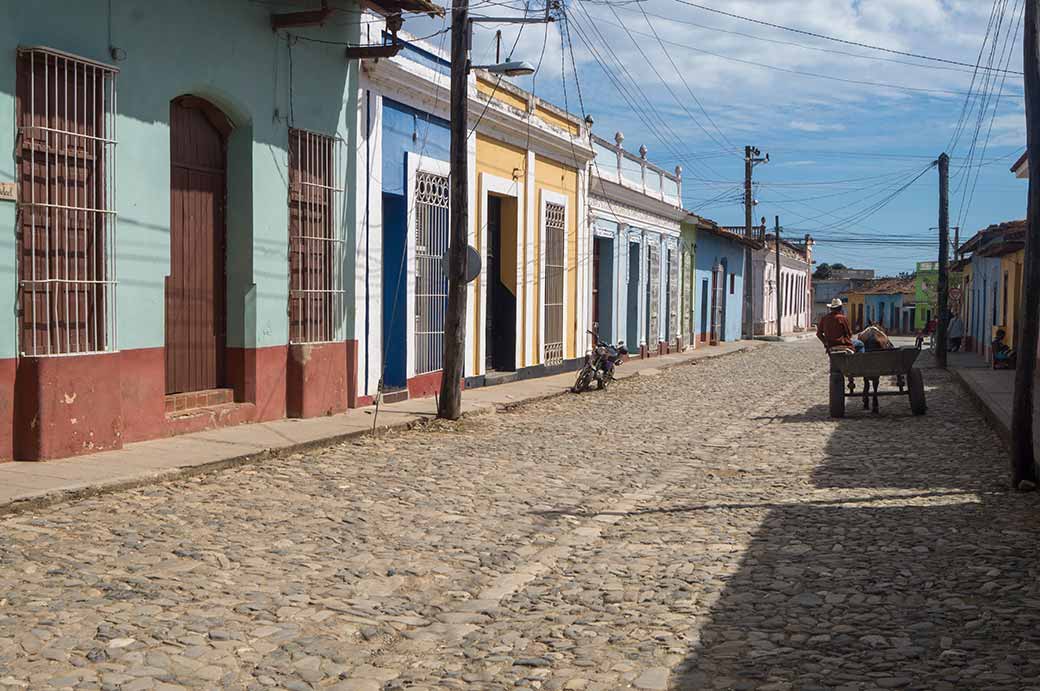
(599, 365)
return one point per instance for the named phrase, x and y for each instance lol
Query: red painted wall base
(426, 385)
(7, 375)
(67, 406)
(317, 380)
(258, 376)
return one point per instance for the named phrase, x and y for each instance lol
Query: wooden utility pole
(1023, 467)
(779, 294)
(749, 301)
(751, 159)
(944, 259)
(449, 403)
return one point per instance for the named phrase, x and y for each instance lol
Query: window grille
(653, 258)
(431, 279)
(555, 232)
(66, 212)
(316, 244)
(673, 297)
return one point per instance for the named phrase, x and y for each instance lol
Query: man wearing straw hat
(834, 330)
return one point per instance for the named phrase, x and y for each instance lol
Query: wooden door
(195, 289)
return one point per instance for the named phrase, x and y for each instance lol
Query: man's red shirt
(834, 330)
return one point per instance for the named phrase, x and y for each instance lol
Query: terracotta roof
(889, 286)
(710, 226)
(996, 239)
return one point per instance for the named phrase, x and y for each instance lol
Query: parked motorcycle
(599, 365)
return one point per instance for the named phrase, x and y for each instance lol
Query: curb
(996, 423)
(53, 497)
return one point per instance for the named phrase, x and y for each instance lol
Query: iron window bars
(316, 243)
(555, 218)
(431, 280)
(66, 217)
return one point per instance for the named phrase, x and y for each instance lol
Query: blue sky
(698, 85)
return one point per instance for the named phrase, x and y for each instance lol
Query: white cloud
(806, 126)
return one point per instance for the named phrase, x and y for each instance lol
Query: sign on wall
(8, 192)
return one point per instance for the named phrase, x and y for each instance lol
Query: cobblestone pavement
(709, 527)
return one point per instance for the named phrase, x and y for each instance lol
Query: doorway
(602, 288)
(500, 318)
(632, 318)
(196, 287)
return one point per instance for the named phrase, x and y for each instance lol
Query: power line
(1010, 49)
(626, 93)
(803, 73)
(968, 102)
(804, 46)
(825, 37)
(682, 78)
(667, 85)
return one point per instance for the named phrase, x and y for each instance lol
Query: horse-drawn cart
(899, 363)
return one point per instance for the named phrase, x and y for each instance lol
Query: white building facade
(794, 288)
(635, 211)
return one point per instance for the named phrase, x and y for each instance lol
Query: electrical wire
(804, 73)
(966, 208)
(498, 81)
(813, 34)
(726, 144)
(803, 46)
(615, 74)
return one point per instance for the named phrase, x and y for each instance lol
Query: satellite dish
(472, 263)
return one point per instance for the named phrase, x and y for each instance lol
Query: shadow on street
(921, 573)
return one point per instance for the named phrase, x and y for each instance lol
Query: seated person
(1003, 355)
(834, 332)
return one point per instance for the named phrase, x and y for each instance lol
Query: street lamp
(510, 68)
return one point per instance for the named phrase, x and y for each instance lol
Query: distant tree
(823, 272)
(905, 275)
(838, 266)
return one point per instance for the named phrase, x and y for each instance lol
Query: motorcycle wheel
(582, 382)
(603, 381)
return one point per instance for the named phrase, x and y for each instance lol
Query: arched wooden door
(195, 289)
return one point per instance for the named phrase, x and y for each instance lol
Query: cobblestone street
(709, 527)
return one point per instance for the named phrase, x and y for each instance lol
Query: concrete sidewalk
(991, 390)
(28, 485)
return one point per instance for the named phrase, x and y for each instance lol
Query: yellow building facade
(527, 310)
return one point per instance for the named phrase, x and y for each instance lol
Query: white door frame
(550, 197)
(492, 184)
(416, 163)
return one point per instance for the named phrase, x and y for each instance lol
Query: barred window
(316, 244)
(431, 280)
(66, 211)
(555, 219)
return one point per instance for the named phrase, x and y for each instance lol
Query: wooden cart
(897, 363)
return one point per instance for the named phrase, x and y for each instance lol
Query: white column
(369, 278)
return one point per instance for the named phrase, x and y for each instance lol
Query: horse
(874, 339)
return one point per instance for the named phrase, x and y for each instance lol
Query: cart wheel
(837, 395)
(915, 383)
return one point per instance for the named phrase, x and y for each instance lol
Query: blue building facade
(718, 284)
(983, 304)
(884, 310)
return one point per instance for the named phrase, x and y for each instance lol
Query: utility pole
(943, 289)
(779, 294)
(1023, 466)
(449, 402)
(751, 159)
